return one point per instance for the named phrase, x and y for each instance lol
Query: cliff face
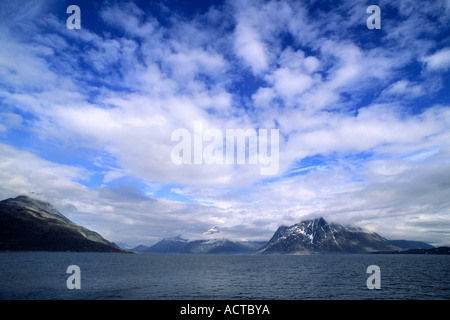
(28, 224)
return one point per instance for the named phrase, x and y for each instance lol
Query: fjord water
(42, 275)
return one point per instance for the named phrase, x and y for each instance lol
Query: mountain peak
(40, 207)
(28, 224)
(317, 236)
(319, 222)
(28, 200)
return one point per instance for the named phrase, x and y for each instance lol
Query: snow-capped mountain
(217, 246)
(318, 236)
(221, 246)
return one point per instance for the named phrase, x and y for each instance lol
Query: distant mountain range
(408, 244)
(28, 224)
(212, 246)
(307, 237)
(439, 250)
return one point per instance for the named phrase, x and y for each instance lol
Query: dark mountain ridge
(28, 224)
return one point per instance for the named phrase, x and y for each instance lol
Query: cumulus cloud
(250, 48)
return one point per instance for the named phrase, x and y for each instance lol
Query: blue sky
(86, 116)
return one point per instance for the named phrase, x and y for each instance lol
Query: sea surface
(107, 276)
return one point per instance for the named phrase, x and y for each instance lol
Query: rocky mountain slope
(27, 224)
(318, 236)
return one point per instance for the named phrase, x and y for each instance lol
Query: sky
(88, 116)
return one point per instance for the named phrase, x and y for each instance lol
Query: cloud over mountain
(87, 115)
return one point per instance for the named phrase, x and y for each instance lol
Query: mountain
(409, 244)
(166, 245)
(433, 250)
(318, 236)
(27, 224)
(220, 246)
(212, 246)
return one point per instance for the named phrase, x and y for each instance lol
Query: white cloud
(213, 230)
(22, 172)
(439, 61)
(250, 48)
(187, 63)
(128, 17)
(289, 83)
(31, 73)
(9, 120)
(263, 97)
(404, 88)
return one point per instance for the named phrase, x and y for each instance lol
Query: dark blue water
(42, 275)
